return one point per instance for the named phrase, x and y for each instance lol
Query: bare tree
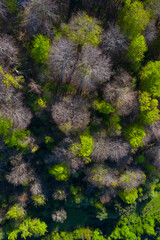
(8, 51)
(123, 99)
(12, 106)
(131, 179)
(62, 59)
(92, 70)
(150, 33)
(100, 175)
(59, 216)
(3, 10)
(71, 113)
(21, 172)
(114, 44)
(42, 15)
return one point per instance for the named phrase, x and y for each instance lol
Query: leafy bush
(103, 107)
(150, 78)
(135, 133)
(134, 18)
(16, 212)
(128, 196)
(60, 172)
(40, 48)
(136, 51)
(83, 29)
(149, 109)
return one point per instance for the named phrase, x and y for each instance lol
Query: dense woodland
(80, 119)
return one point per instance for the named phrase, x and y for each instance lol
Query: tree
(16, 212)
(150, 33)
(40, 48)
(3, 10)
(60, 172)
(128, 196)
(62, 60)
(123, 99)
(113, 43)
(131, 179)
(148, 108)
(150, 78)
(32, 226)
(134, 18)
(83, 29)
(71, 113)
(59, 216)
(41, 16)
(100, 176)
(103, 107)
(135, 133)
(92, 70)
(8, 51)
(136, 51)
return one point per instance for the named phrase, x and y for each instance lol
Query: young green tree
(135, 133)
(83, 29)
(134, 18)
(40, 48)
(16, 212)
(128, 196)
(149, 112)
(150, 78)
(136, 51)
(60, 172)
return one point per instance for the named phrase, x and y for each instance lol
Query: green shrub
(135, 133)
(134, 18)
(39, 200)
(149, 109)
(12, 5)
(128, 196)
(150, 78)
(60, 172)
(136, 51)
(103, 107)
(40, 48)
(16, 212)
(83, 30)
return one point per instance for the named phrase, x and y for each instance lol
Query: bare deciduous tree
(71, 113)
(114, 44)
(41, 15)
(8, 51)
(62, 59)
(131, 179)
(150, 33)
(92, 70)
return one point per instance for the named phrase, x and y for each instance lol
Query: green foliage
(16, 212)
(140, 159)
(32, 226)
(60, 172)
(83, 30)
(84, 149)
(135, 133)
(39, 200)
(103, 107)
(13, 235)
(128, 196)
(101, 212)
(9, 80)
(135, 226)
(40, 48)
(150, 78)
(17, 138)
(86, 145)
(41, 103)
(12, 5)
(5, 126)
(136, 51)
(149, 109)
(134, 18)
